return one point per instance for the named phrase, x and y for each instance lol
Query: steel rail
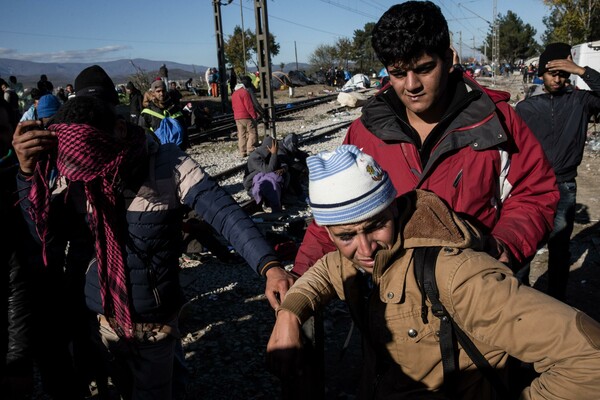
(305, 138)
(226, 124)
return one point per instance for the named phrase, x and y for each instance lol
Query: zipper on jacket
(152, 281)
(457, 179)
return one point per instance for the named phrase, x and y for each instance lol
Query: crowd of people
(425, 219)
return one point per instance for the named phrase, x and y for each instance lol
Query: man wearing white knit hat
(383, 270)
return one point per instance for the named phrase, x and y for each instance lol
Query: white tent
(358, 81)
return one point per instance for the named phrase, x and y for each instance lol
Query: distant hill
(28, 72)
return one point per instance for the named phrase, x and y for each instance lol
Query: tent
(383, 72)
(280, 80)
(358, 81)
(298, 78)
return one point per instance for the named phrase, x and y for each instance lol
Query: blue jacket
(173, 184)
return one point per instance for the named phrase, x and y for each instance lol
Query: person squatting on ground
(289, 154)
(266, 176)
(435, 129)
(558, 115)
(377, 237)
(245, 117)
(132, 192)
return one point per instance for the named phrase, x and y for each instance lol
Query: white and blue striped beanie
(347, 186)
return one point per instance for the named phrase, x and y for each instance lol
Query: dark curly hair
(408, 30)
(87, 110)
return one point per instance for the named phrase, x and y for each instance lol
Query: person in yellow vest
(159, 106)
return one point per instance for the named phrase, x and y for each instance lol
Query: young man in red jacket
(435, 129)
(432, 128)
(245, 120)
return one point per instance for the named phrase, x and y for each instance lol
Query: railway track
(305, 138)
(225, 124)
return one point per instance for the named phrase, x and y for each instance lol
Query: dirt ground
(583, 290)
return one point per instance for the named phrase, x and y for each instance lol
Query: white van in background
(585, 54)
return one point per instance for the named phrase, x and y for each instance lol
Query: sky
(184, 31)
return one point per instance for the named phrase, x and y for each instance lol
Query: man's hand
(497, 249)
(273, 148)
(566, 65)
(30, 142)
(278, 283)
(284, 350)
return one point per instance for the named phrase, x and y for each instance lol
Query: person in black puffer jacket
(137, 192)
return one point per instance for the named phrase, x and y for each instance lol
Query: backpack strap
(153, 113)
(425, 259)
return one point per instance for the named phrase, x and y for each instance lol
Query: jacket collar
(425, 220)
(385, 115)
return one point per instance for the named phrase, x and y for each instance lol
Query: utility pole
(460, 46)
(296, 54)
(264, 64)
(221, 54)
(243, 37)
(495, 43)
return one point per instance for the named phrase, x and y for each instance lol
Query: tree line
(569, 21)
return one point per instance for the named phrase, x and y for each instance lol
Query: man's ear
(329, 233)
(451, 58)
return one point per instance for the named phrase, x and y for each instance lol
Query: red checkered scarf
(88, 155)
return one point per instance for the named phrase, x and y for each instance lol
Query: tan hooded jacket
(501, 316)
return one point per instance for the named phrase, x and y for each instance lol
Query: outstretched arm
(284, 355)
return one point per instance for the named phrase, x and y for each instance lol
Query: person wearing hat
(161, 104)
(558, 115)
(377, 237)
(120, 213)
(94, 81)
(47, 106)
(245, 116)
